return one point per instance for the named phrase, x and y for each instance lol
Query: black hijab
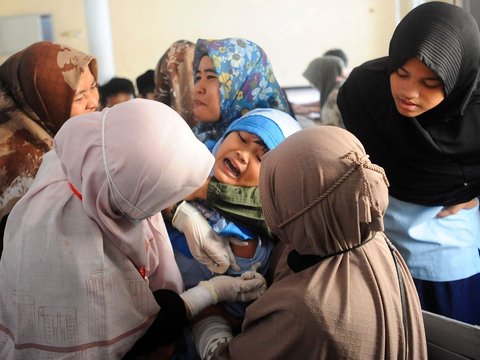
(433, 159)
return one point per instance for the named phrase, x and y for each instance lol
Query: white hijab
(77, 275)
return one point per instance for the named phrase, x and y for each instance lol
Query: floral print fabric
(246, 81)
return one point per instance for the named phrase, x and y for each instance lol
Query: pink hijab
(87, 243)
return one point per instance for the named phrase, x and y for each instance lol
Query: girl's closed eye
(402, 73)
(432, 84)
(262, 148)
(242, 139)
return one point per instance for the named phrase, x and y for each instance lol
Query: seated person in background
(339, 53)
(174, 79)
(115, 91)
(327, 74)
(146, 85)
(238, 156)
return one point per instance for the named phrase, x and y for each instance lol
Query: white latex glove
(247, 287)
(209, 333)
(206, 246)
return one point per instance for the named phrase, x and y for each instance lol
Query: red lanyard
(75, 191)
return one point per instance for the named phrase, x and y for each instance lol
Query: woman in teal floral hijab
(245, 80)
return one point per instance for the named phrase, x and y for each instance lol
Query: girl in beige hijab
(340, 290)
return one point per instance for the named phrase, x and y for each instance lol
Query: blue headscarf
(246, 81)
(270, 125)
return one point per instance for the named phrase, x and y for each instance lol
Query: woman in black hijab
(417, 112)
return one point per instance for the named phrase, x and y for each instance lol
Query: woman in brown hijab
(174, 79)
(41, 87)
(340, 289)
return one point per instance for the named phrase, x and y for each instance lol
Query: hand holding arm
(210, 332)
(224, 288)
(451, 210)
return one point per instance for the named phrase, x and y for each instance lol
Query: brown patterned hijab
(37, 88)
(42, 80)
(174, 79)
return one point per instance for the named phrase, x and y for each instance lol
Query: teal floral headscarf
(246, 82)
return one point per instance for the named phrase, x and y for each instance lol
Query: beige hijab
(325, 201)
(86, 246)
(340, 196)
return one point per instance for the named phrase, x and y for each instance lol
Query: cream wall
(291, 32)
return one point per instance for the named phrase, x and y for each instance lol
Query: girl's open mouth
(232, 168)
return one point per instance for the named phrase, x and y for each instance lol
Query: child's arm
(245, 251)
